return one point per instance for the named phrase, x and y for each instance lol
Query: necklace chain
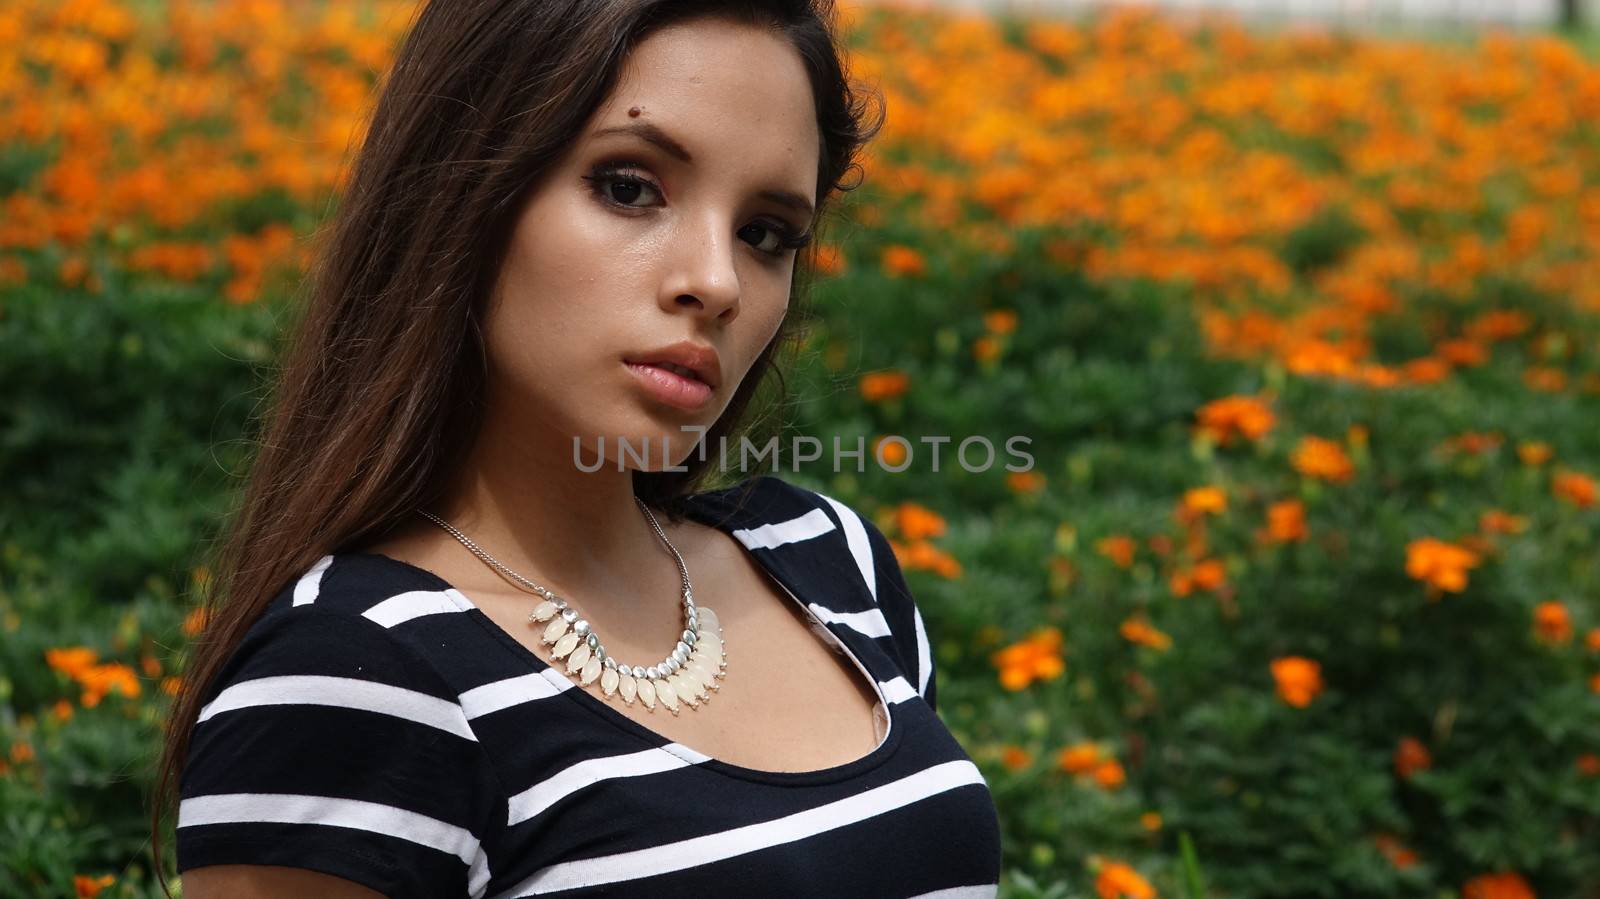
(693, 667)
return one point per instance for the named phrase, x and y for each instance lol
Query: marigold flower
(903, 261)
(1079, 757)
(89, 887)
(884, 385)
(1534, 453)
(1552, 623)
(1318, 457)
(1000, 321)
(1575, 488)
(1137, 630)
(1246, 417)
(1591, 640)
(1396, 852)
(1150, 821)
(1286, 521)
(1440, 565)
(1589, 764)
(1118, 548)
(1199, 501)
(1015, 758)
(71, 661)
(1503, 885)
(1299, 679)
(1109, 774)
(1410, 756)
(1120, 881)
(1496, 521)
(1025, 481)
(1037, 657)
(986, 348)
(918, 522)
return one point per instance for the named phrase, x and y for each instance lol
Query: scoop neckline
(602, 708)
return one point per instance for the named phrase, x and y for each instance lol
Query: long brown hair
(377, 394)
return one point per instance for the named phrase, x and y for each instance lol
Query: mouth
(672, 384)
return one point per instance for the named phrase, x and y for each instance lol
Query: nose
(701, 272)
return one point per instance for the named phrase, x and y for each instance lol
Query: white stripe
(924, 655)
(310, 583)
(897, 690)
(342, 692)
(855, 535)
(292, 808)
(806, 527)
(976, 891)
(569, 780)
(503, 694)
(702, 850)
(403, 607)
(871, 622)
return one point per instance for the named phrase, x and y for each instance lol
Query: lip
(699, 358)
(670, 387)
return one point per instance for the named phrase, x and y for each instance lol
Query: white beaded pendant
(698, 670)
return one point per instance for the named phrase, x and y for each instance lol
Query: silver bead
(681, 654)
(693, 616)
(570, 614)
(637, 672)
(690, 638)
(580, 627)
(594, 642)
(672, 667)
(652, 672)
(608, 662)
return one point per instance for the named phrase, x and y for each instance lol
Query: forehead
(733, 95)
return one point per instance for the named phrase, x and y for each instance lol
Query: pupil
(625, 185)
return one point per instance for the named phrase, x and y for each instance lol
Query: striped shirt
(374, 724)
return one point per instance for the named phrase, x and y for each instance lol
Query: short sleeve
(325, 743)
(900, 610)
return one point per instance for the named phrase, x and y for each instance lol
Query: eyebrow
(651, 132)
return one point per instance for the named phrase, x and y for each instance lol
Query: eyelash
(610, 173)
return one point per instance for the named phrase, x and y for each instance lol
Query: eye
(603, 178)
(605, 181)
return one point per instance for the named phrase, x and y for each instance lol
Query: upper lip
(699, 358)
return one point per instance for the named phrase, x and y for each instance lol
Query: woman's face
(659, 227)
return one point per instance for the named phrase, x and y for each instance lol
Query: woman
(475, 643)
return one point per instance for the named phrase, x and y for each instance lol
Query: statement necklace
(686, 676)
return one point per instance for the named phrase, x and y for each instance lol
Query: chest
(793, 697)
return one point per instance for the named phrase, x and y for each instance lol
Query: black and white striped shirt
(375, 725)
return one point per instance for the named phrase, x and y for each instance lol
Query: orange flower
(1552, 623)
(1396, 852)
(1286, 521)
(1150, 821)
(194, 622)
(1534, 453)
(1109, 774)
(90, 887)
(1000, 321)
(1496, 521)
(1505, 885)
(1079, 757)
(1137, 630)
(985, 348)
(1463, 352)
(1119, 881)
(71, 661)
(1589, 764)
(903, 261)
(1575, 488)
(1015, 758)
(920, 555)
(1299, 679)
(1038, 657)
(918, 522)
(884, 385)
(1118, 548)
(1318, 457)
(1411, 756)
(1207, 574)
(1224, 419)
(888, 452)
(828, 258)
(1591, 640)
(1198, 501)
(1025, 481)
(1440, 565)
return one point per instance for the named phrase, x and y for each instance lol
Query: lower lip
(672, 388)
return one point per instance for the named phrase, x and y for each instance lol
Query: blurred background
(1298, 301)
